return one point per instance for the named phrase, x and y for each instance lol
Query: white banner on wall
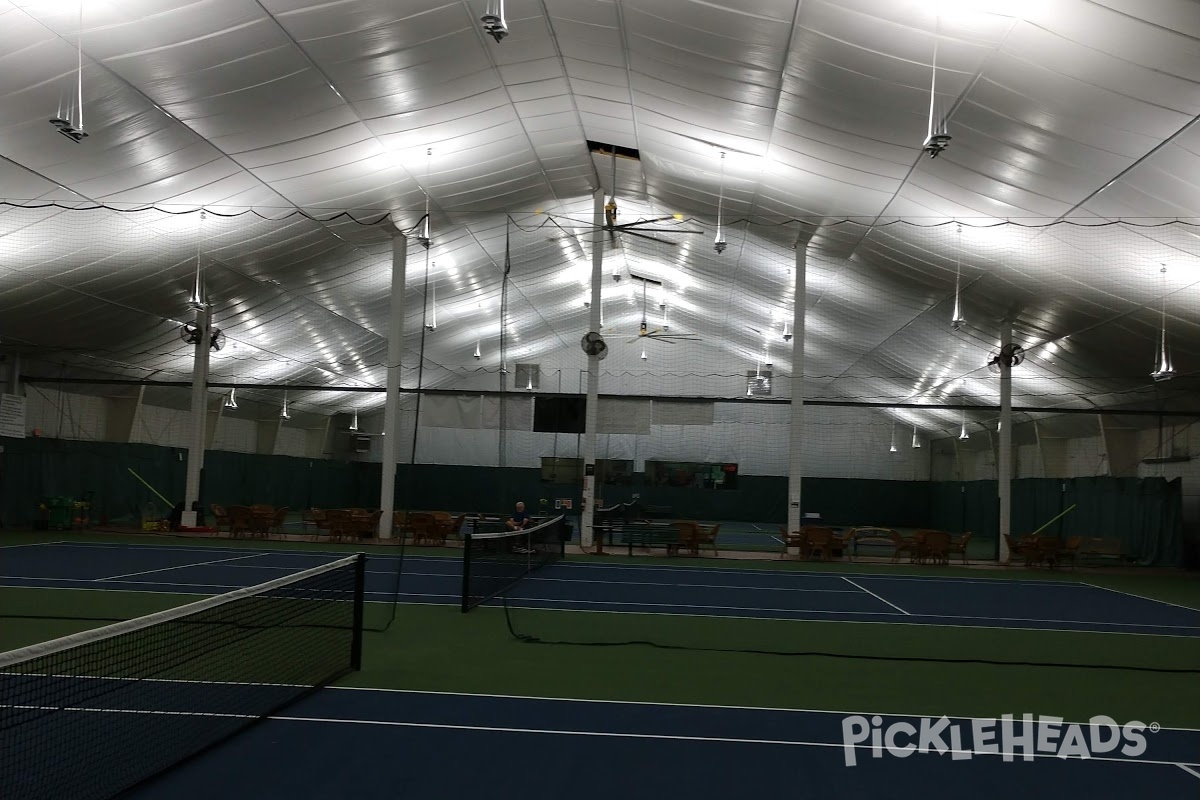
(12, 416)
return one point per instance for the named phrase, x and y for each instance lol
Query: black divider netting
(92, 714)
(494, 560)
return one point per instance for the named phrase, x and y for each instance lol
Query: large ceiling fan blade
(639, 222)
(651, 238)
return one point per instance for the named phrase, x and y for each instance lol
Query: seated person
(519, 521)
(520, 518)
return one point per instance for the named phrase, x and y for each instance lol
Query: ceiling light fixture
(892, 449)
(432, 324)
(283, 412)
(916, 443)
(643, 354)
(957, 320)
(354, 422)
(424, 237)
(477, 354)
(493, 20)
(937, 137)
(197, 298)
(71, 126)
(231, 401)
(962, 430)
(719, 245)
(1163, 369)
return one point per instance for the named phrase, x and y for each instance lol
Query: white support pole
(1004, 456)
(591, 412)
(796, 428)
(195, 458)
(391, 408)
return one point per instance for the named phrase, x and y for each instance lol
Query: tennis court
(649, 589)
(693, 714)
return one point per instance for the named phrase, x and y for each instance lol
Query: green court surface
(437, 648)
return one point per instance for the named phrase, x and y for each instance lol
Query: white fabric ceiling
(1079, 109)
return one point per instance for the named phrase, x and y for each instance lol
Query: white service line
(179, 566)
(1188, 769)
(1139, 596)
(877, 597)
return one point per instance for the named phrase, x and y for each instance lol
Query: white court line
(178, 566)
(599, 701)
(877, 597)
(1188, 769)
(917, 620)
(1139, 596)
(770, 567)
(458, 577)
(591, 734)
(678, 738)
(31, 544)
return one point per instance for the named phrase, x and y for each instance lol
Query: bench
(1104, 547)
(643, 535)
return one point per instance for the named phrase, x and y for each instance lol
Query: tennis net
(90, 715)
(494, 561)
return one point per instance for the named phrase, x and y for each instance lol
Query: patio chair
(903, 544)
(817, 540)
(959, 545)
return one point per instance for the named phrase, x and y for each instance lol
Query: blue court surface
(345, 742)
(622, 587)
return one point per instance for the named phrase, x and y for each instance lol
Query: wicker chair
(708, 537)
(241, 521)
(818, 539)
(689, 536)
(277, 525)
(903, 544)
(339, 521)
(959, 545)
(220, 516)
(933, 547)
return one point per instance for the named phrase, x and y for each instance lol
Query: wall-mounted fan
(190, 334)
(1010, 355)
(593, 344)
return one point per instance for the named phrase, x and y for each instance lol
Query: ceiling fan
(641, 228)
(658, 334)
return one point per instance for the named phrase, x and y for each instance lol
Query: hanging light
(503, 368)
(423, 236)
(643, 354)
(231, 401)
(197, 298)
(1163, 369)
(719, 245)
(71, 125)
(283, 412)
(493, 21)
(916, 443)
(354, 422)
(529, 382)
(937, 138)
(962, 428)
(892, 449)
(432, 324)
(478, 355)
(957, 320)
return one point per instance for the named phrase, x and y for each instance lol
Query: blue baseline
(387, 744)
(573, 585)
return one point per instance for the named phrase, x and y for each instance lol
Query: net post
(360, 585)
(466, 570)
